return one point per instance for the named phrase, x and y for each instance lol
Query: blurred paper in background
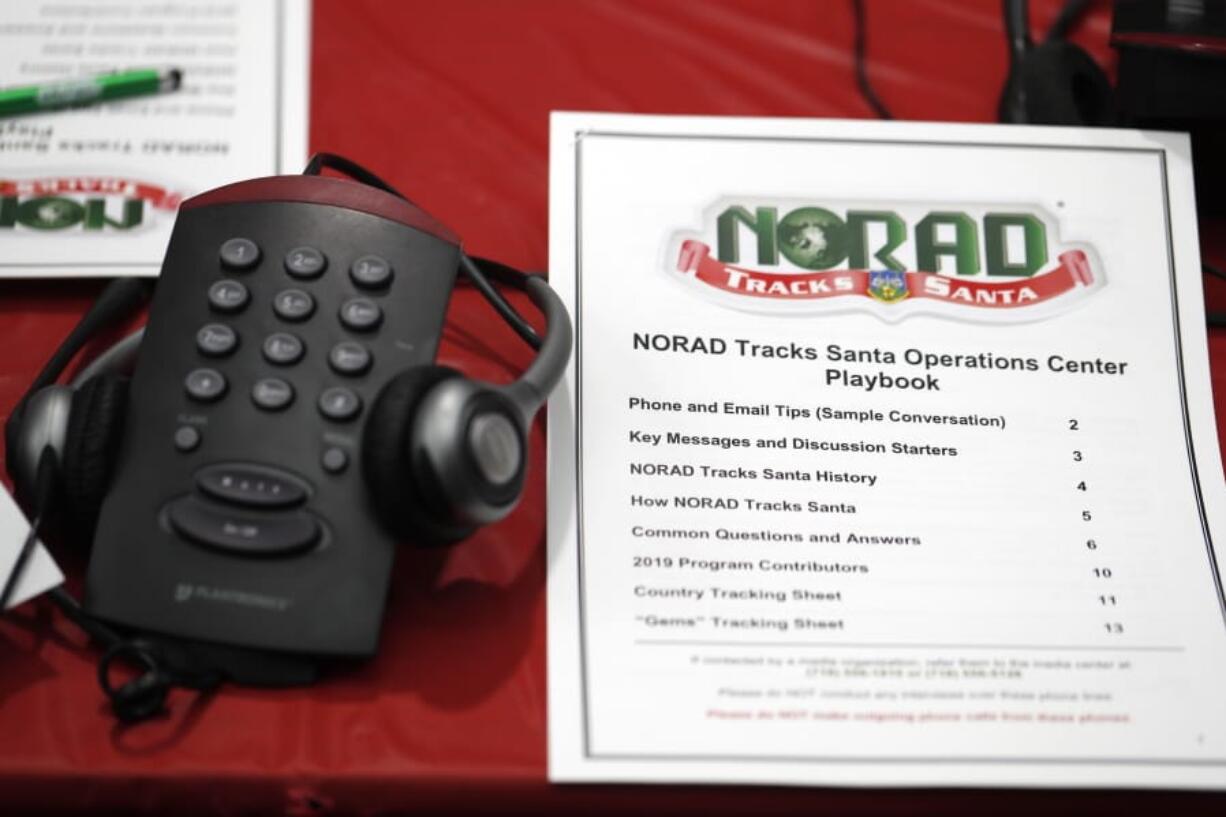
(93, 190)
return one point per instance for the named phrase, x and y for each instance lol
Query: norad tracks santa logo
(973, 262)
(85, 205)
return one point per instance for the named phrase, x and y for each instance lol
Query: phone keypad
(347, 358)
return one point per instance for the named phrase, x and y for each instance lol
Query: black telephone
(285, 425)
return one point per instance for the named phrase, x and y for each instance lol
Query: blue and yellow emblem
(888, 286)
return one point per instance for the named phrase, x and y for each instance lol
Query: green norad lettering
(49, 213)
(964, 249)
(895, 235)
(762, 224)
(96, 217)
(1034, 242)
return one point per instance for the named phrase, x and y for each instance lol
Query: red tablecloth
(450, 102)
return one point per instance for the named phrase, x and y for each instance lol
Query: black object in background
(1172, 76)
(1053, 82)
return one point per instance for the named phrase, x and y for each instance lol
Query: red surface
(450, 103)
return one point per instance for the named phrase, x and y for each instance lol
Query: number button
(305, 262)
(272, 394)
(240, 254)
(293, 305)
(228, 296)
(338, 403)
(349, 357)
(216, 340)
(360, 314)
(371, 272)
(205, 385)
(283, 349)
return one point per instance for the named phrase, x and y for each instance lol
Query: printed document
(93, 191)
(41, 572)
(886, 456)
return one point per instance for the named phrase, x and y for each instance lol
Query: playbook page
(886, 457)
(93, 190)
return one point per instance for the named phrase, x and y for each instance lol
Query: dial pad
(346, 357)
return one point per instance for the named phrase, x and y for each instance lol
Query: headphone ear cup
(1062, 85)
(410, 508)
(91, 445)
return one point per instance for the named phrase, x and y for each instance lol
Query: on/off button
(243, 532)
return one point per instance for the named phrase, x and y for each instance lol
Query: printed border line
(579, 535)
(278, 90)
(579, 136)
(978, 760)
(278, 105)
(95, 264)
(1183, 395)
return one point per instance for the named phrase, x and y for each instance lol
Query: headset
(441, 454)
(1053, 82)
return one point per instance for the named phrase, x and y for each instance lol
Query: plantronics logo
(185, 592)
(91, 205)
(994, 263)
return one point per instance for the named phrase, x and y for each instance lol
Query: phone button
(293, 305)
(349, 357)
(283, 349)
(340, 404)
(257, 486)
(371, 272)
(305, 262)
(205, 385)
(216, 340)
(245, 533)
(360, 314)
(228, 295)
(240, 253)
(272, 394)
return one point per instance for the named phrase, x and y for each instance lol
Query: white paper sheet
(93, 191)
(41, 572)
(810, 527)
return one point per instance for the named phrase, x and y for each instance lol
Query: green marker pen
(33, 98)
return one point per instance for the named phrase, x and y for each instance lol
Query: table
(450, 102)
